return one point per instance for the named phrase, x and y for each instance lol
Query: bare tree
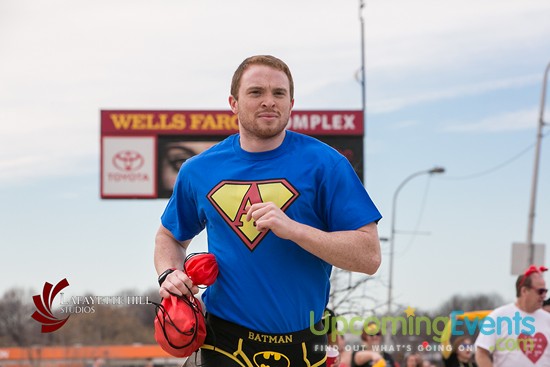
(16, 325)
(473, 302)
(117, 324)
(144, 314)
(349, 293)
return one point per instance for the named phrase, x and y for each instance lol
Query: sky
(455, 84)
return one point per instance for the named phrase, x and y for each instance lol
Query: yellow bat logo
(271, 359)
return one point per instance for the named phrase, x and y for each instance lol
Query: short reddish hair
(266, 60)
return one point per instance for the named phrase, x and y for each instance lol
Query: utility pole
(363, 89)
(531, 222)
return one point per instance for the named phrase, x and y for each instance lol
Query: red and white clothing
(516, 338)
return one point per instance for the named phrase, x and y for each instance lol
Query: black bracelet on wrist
(163, 276)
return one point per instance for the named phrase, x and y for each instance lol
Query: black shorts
(231, 345)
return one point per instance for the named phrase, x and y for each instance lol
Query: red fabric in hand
(201, 268)
(180, 329)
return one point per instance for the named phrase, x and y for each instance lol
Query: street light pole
(531, 222)
(432, 171)
(363, 87)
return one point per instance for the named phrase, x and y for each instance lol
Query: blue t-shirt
(266, 283)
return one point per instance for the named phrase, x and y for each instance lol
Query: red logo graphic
(230, 198)
(43, 313)
(533, 346)
(128, 160)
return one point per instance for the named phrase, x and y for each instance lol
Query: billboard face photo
(172, 153)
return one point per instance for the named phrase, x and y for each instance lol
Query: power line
(495, 168)
(418, 220)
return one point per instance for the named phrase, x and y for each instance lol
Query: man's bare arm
(355, 250)
(170, 254)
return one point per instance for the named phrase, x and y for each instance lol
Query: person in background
(336, 340)
(372, 351)
(462, 353)
(413, 360)
(546, 305)
(531, 328)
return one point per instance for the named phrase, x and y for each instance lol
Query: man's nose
(269, 101)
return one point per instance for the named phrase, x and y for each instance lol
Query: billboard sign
(142, 150)
(128, 166)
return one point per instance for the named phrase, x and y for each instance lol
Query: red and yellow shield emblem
(230, 198)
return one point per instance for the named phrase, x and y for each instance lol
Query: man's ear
(234, 104)
(522, 290)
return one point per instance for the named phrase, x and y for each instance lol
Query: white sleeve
(484, 340)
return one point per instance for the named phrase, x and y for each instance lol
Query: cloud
(510, 121)
(383, 105)
(429, 35)
(29, 166)
(63, 61)
(40, 141)
(405, 124)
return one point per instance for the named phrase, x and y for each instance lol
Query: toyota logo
(128, 160)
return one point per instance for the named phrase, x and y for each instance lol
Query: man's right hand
(179, 284)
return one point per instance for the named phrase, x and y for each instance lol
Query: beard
(262, 130)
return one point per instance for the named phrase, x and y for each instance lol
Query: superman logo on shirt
(230, 198)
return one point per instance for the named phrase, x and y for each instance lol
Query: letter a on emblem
(230, 198)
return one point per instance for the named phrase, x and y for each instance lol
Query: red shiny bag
(180, 328)
(202, 268)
